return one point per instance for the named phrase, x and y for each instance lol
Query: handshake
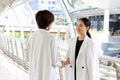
(65, 62)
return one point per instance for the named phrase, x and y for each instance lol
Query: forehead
(80, 22)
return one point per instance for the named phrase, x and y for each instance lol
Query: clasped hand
(65, 62)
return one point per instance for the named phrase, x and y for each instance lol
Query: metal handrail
(7, 43)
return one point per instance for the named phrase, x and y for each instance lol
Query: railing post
(117, 71)
(17, 57)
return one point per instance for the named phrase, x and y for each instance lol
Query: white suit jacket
(87, 67)
(42, 51)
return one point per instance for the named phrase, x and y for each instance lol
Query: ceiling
(5, 4)
(112, 5)
(99, 6)
(103, 4)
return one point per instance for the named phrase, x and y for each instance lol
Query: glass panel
(23, 15)
(76, 6)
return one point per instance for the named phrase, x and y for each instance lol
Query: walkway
(9, 71)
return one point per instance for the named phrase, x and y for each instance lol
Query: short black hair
(44, 18)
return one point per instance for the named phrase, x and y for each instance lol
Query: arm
(54, 50)
(27, 49)
(67, 60)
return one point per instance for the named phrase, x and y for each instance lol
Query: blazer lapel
(82, 49)
(83, 46)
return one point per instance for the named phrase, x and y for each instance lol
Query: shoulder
(91, 42)
(52, 37)
(30, 36)
(72, 40)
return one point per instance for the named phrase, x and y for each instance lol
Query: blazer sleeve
(69, 48)
(27, 49)
(92, 62)
(54, 51)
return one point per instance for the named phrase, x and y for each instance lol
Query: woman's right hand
(66, 62)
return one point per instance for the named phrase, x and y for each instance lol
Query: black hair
(44, 18)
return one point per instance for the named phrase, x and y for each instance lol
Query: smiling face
(81, 29)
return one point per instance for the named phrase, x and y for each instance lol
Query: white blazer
(87, 67)
(42, 51)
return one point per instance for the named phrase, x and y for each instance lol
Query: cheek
(78, 28)
(84, 30)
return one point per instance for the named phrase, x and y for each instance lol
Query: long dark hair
(87, 23)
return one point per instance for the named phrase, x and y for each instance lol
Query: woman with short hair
(42, 48)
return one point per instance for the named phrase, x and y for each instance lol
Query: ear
(50, 24)
(47, 28)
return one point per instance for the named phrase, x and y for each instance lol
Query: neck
(81, 37)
